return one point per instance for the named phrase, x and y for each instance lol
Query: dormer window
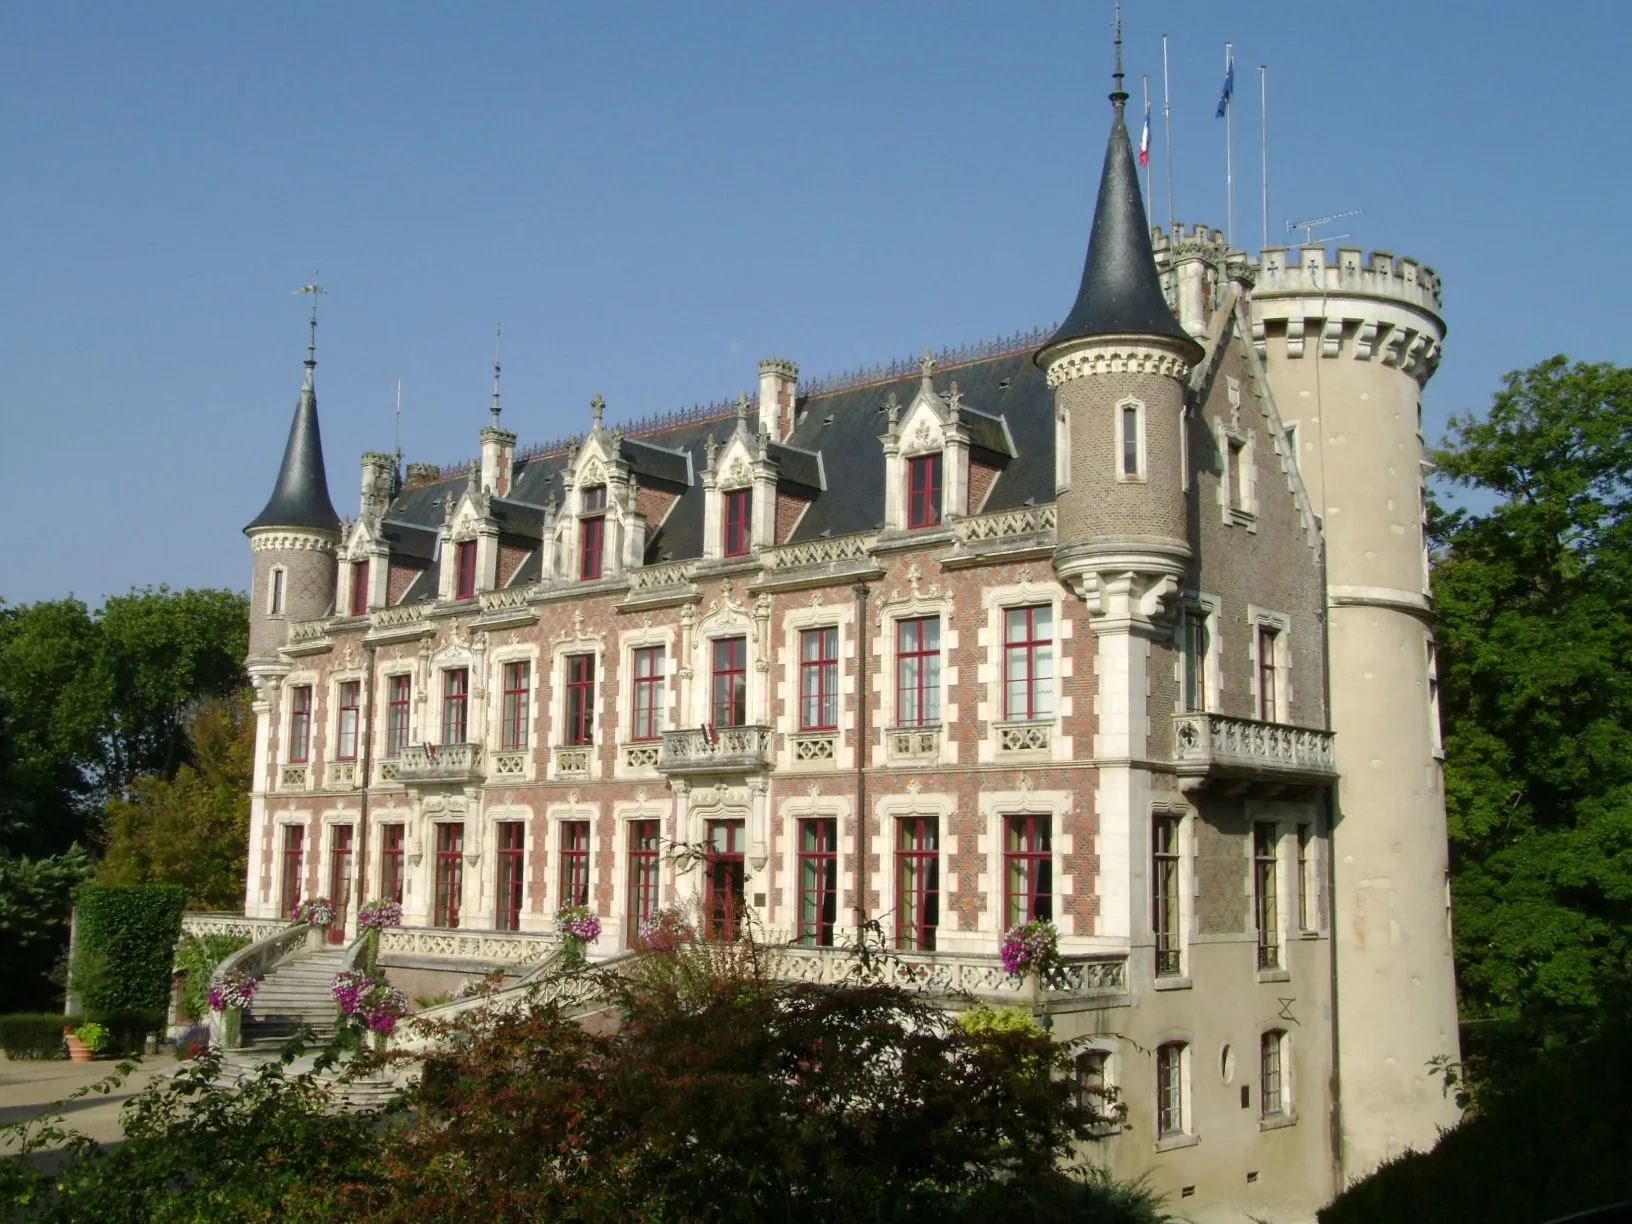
(924, 491)
(465, 570)
(739, 513)
(591, 532)
(359, 588)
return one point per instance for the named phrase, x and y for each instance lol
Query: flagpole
(1229, 153)
(1149, 207)
(1263, 142)
(1167, 134)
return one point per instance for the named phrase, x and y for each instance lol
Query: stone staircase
(296, 993)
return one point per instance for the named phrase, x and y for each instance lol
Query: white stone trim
(1096, 355)
(623, 700)
(995, 601)
(578, 640)
(882, 845)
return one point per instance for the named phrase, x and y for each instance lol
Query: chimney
(778, 389)
(498, 449)
(378, 470)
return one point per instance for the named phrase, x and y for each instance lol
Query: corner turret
(294, 538)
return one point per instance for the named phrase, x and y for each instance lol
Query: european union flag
(1229, 88)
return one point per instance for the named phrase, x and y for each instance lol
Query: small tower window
(739, 512)
(1132, 441)
(274, 602)
(592, 532)
(924, 491)
(465, 573)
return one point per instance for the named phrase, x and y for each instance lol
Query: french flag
(1144, 139)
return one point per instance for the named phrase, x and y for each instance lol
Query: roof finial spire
(1119, 96)
(311, 291)
(498, 347)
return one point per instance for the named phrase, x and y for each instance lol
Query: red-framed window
(300, 724)
(512, 842)
(818, 881)
(723, 877)
(1028, 870)
(924, 491)
(730, 691)
(917, 883)
(517, 685)
(450, 873)
(339, 880)
(350, 709)
(643, 868)
(464, 586)
(580, 699)
(648, 696)
(739, 513)
(591, 532)
(918, 672)
(294, 845)
(359, 588)
(1267, 641)
(819, 679)
(455, 705)
(574, 862)
(1028, 663)
(392, 840)
(399, 693)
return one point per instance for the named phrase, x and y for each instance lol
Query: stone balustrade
(817, 552)
(201, 923)
(449, 763)
(487, 947)
(1207, 745)
(1022, 521)
(726, 750)
(955, 973)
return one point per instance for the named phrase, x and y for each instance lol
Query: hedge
(199, 955)
(39, 1034)
(128, 933)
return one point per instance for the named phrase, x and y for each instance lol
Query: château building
(1124, 625)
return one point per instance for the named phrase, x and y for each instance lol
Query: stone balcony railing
(488, 947)
(725, 750)
(447, 763)
(957, 973)
(200, 923)
(573, 760)
(502, 609)
(1207, 745)
(913, 744)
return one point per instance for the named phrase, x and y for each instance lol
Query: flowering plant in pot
(371, 1002)
(319, 911)
(578, 927)
(229, 995)
(86, 1041)
(373, 918)
(1030, 948)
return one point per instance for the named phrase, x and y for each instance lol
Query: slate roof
(301, 496)
(1120, 292)
(834, 456)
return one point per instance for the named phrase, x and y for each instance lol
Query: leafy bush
(35, 1034)
(1545, 1140)
(199, 955)
(132, 930)
(95, 1036)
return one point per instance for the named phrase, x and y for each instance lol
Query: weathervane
(312, 290)
(498, 346)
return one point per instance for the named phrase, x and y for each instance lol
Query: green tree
(1533, 603)
(191, 829)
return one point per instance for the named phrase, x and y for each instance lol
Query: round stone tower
(295, 537)
(1348, 347)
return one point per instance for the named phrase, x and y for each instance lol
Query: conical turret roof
(301, 496)
(1121, 293)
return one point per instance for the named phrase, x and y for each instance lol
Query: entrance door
(339, 880)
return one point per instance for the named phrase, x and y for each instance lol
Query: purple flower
(578, 922)
(233, 989)
(380, 914)
(1029, 947)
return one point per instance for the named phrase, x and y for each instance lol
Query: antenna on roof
(1309, 225)
(498, 346)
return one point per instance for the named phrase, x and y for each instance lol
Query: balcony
(725, 750)
(443, 764)
(959, 974)
(1208, 747)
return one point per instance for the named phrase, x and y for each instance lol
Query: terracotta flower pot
(78, 1051)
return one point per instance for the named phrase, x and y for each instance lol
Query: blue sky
(653, 195)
